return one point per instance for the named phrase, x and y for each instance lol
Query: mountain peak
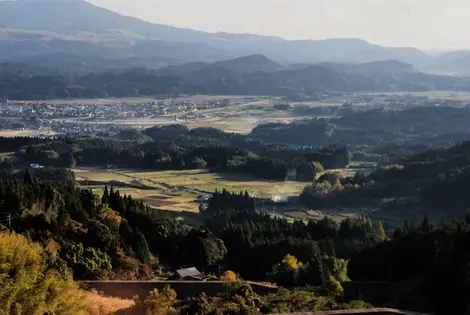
(250, 64)
(81, 27)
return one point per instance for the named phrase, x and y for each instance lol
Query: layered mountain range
(75, 31)
(71, 48)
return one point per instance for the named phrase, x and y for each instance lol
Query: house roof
(190, 272)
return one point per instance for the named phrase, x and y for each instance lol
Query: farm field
(244, 118)
(241, 124)
(444, 95)
(205, 181)
(132, 100)
(152, 193)
(178, 190)
(240, 118)
(25, 133)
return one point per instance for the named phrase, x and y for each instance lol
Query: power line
(9, 218)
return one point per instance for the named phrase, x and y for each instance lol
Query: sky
(425, 24)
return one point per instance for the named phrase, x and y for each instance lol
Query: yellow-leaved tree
(34, 282)
(334, 287)
(291, 262)
(381, 235)
(161, 302)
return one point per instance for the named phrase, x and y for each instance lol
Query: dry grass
(155, 195)
(102, 305)
(316, 103)
(6, 156)
(442, 95)
(176, 200)
(209, 182)
(25, 133)
(243, 122)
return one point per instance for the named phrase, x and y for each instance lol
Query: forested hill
(379, 127)
(420, 265)
(177, 148)
(115, 236)
(433, 183)
(112, 236)
(252, 75)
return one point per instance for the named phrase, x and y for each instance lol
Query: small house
(204, 198)
(190, 274)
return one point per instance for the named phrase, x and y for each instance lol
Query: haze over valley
(154, 169)
(36, 32)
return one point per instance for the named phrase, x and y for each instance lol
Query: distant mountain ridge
(239, 76)
(241, 65)
(58, 25)
(386, 67)
(40, 30)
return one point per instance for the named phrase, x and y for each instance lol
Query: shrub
(318, 167)
(334, 287)
(100, 305)
(160, 302)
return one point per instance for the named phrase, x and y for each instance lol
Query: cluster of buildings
(91, 118)
(169, 106)
(50, 111)
(82, 118)
(108, 111)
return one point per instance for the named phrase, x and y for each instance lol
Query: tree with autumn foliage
(161, 302)
(229, 275)
(291, 262)
(286, 273)
(334, 287)
(381, 235)
(34, 281)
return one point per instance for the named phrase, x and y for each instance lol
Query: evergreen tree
(313, 273)
(141, 247)
(425, 225)
(105, 198)
(381, 235)
(330, 247)
(29, 178)
(369, 227)
(398, 233)
(406, 228)
(127, 236)
(68, 160)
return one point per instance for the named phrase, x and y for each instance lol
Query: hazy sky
(427, 24)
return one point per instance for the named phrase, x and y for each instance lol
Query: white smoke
(279, 198)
